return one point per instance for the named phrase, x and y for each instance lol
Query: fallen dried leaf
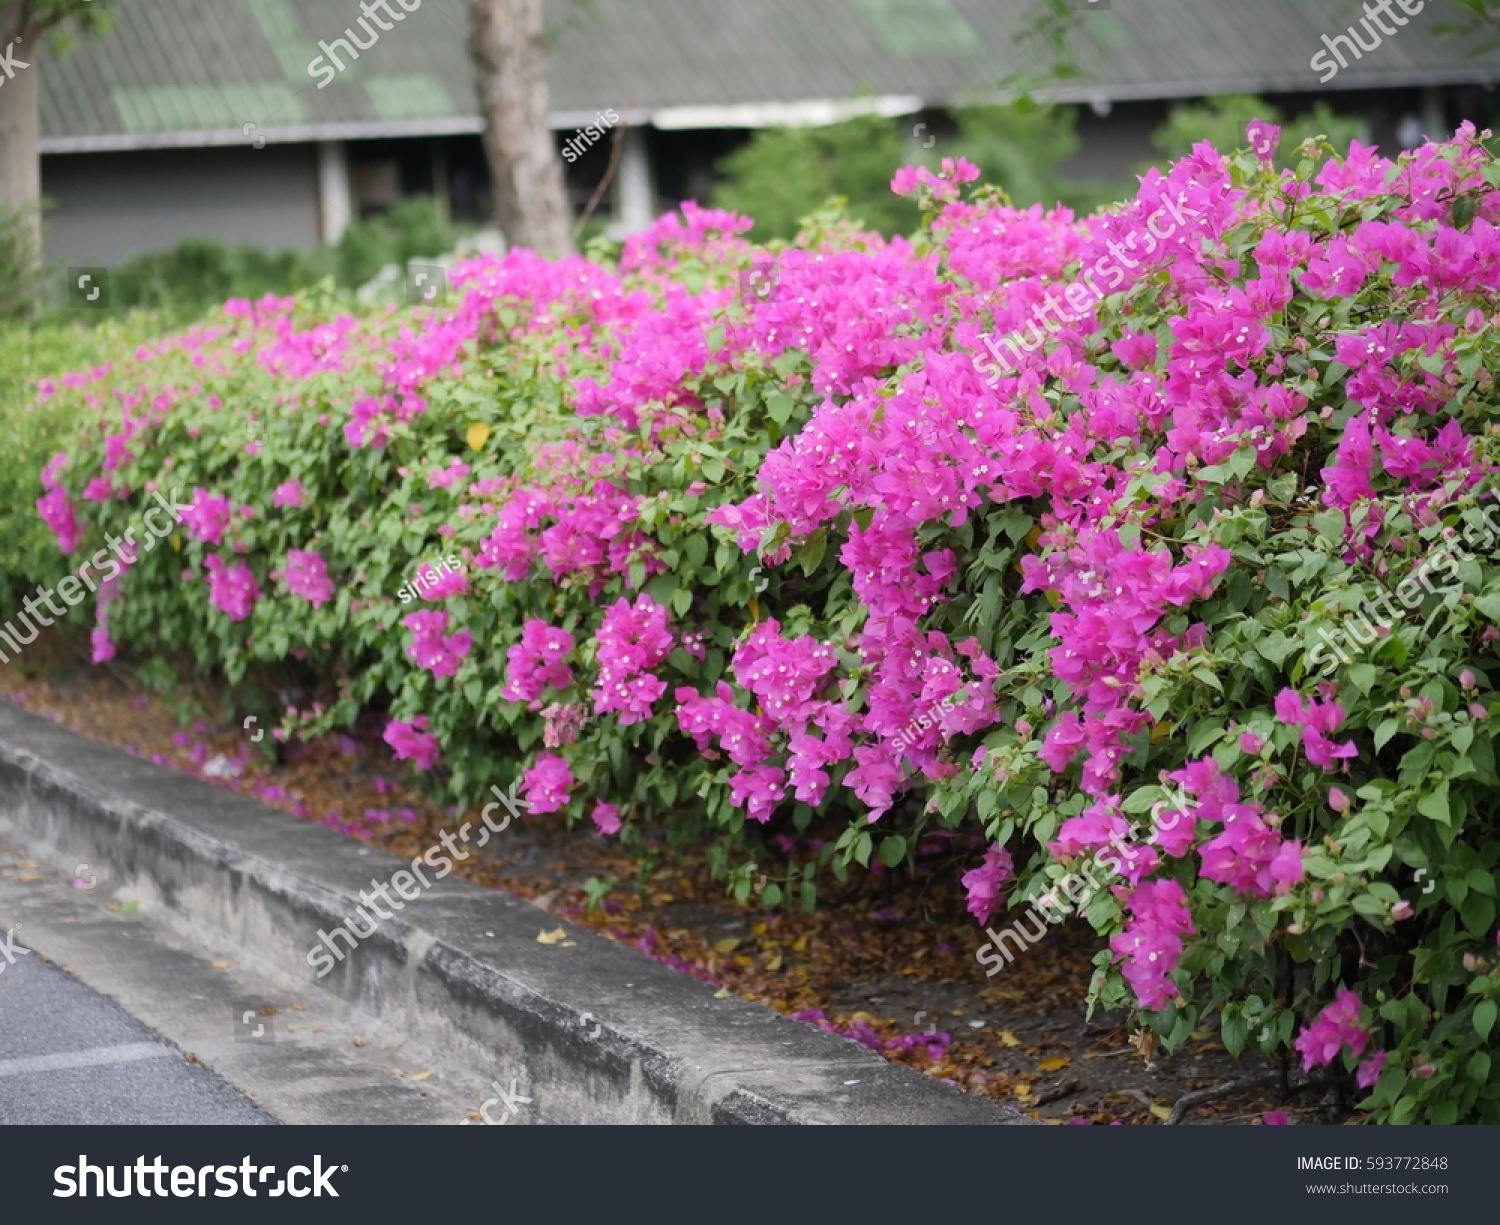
(1008, 1039)
(726, 946)
(551, 937)
(223, 965)
(423, 1075)
(29, 876)
(1052, 1064)
(1162, 1112)
(359, 1042)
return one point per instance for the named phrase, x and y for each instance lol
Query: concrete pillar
(335, 199)
(635, 191)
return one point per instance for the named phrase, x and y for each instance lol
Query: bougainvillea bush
(757, 543)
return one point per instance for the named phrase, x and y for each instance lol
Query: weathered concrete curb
(595, 1033)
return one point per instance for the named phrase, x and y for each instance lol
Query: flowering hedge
(750, 537)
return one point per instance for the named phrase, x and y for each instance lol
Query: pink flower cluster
(1335, 1028)
(1318, 721)
(432, 647)
(412, 742)
(538, 661)
(307, 575)
(207, 517)
(983, 884)
(632, 640)
(1151, 944)
(547, 783)
(232, 589)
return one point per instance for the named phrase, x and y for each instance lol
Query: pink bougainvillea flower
(607, 818)
(983, 883)
(306, 575)
(1369, 1071)
(538, 661)
(231, 589)
(57, 513)
(289, 493)
(447, 477)
(547, 783)
(206, 517)
(411, 742)
(1335, 1028)
(440, 654)
(1151, 944)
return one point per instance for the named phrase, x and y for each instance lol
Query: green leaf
(1435, 804)
(1484, 1019)
(810, 555)
(893, 851)
(780, 407)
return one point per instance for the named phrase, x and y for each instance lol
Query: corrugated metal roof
(188, 72)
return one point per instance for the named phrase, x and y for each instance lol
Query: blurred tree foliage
(1221, 121)
(782, 174)
(199, 273)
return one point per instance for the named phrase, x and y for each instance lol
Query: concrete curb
(595, 1033)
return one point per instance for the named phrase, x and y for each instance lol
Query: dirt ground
(891, 968)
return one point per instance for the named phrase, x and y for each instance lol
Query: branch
(1196, 1098)
(609, 173)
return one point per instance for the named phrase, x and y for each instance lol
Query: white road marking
(130, 1052)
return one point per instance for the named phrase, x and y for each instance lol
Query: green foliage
(782, 174)
(412, 229)
(35, 431)
(21, 278)
(1221, 121)
(1018, 148)
(198, 274)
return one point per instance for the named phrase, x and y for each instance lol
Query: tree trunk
(531, 206)
(20, 129)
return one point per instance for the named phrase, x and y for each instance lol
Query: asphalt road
(71, 1055)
